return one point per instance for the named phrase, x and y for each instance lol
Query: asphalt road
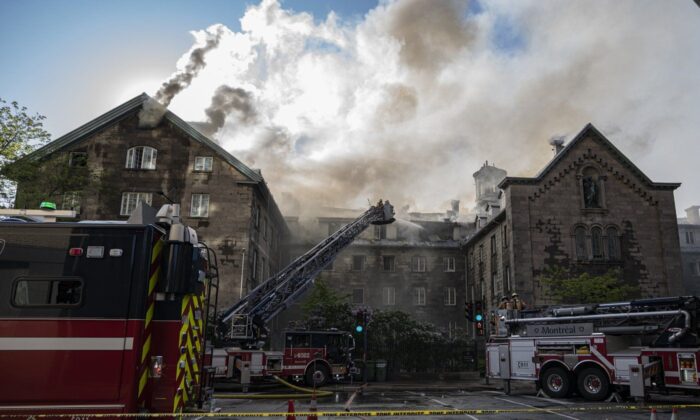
(532, 407)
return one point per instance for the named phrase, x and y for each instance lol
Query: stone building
(590, 209)
(689, 236)
(227, 202)
(414, 265)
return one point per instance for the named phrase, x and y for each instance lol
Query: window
(613, 244)
(358, 263)
(389, 296)
(419, 264)
(597, 243)
(254, 265)
(449, 263)
(141, 157)
(71, 201)
(263, 227)
(481, 253)
(358, 296)
(77, 159)
(47, 292)
(591, 188)
(419, 296)
(493, 245)
(697, 268)
(256, 216)
(506, 272)
(262, 268)
(505, 236)
(689, 237)
(379, 232)
(200, 205)
(131, 199)
(203, 163)
(580, 239)
(450, 296)
(388, 263)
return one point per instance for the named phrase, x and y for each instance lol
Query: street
(521, 404)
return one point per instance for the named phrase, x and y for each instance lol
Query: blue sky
(55, 51)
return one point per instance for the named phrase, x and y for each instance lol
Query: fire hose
(306, 393)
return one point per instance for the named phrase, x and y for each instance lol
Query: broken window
(131, 199)
(419, 264)
(358, 263)
(141, 157)
(389, 296)
(597, 243)
(388, 263)
(449, 263)
(580, 240)
(358, 296)
(613, 244)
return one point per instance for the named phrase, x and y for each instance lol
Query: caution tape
(371, 413)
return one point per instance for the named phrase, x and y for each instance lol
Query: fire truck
(104, 317)
(600, 351)
(313, 356)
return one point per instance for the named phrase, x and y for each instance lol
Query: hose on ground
(307, 393)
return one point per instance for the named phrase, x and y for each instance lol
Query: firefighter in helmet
(517, 303)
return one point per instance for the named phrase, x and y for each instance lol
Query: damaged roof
(116, 114)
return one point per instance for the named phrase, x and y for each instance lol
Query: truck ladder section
(644, 316)
(209, 313)
(248, 316)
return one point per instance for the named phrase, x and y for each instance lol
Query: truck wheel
(556, 382)
(593, 384)
(317, 376)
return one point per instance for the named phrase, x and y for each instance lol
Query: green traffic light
(359, 328)
(479, 317)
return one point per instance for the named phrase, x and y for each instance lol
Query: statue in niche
(590, 193)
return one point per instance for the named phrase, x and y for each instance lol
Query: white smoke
(408, 102)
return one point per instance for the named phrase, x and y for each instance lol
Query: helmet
(504, 297)
(515, 294)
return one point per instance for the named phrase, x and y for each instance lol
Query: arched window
(597, 242)
(591, 189)
(613, 243)
(141, 157)
(580, 239)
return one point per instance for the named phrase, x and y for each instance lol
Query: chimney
(557, 143)
(693, 215)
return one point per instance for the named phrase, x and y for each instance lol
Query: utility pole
(364, 353)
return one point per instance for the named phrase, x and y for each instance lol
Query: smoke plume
(153, 111)
(406, 102)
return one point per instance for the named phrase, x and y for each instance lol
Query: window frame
(192, 207)
(208, 164)
(363, 264)
(353, 295)
(450, 296)
(420, 293)
(135, 158)
(16, 281)
(138, 193)
(419, 264)
(72, 162)
(389, 296)
(391, 258)
(450, 264)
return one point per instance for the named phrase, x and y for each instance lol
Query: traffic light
(479, 317)
(360, 321)
(469, 311)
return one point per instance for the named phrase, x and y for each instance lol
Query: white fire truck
(600, 351)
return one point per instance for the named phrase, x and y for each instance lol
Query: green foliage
(325, 308)
(565, 287)
(20, 134)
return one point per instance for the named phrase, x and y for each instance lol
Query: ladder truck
(600, 351)
(314, 356)
(103, 317)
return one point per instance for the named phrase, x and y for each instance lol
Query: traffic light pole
(364, 353)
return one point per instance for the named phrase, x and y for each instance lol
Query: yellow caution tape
(373, 413)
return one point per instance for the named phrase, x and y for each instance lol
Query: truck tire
(556, 382)
(593, 384)
(317, 376)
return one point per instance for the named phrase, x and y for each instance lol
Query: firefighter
(505, 302)
(518, 303)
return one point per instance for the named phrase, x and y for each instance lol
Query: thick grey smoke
(407, 102)
(153, 111)
(228, 101)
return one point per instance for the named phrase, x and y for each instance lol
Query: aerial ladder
(246, 320)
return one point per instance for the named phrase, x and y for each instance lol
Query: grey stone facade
(590, 209)
(689, 237)
(243, 223)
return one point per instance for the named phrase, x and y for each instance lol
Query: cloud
(407, 103)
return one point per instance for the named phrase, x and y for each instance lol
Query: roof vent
(557, 143)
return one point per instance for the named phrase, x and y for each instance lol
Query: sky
(341, 102)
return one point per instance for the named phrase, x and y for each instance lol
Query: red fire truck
(600, 351)
(314, 356)
(104, 317)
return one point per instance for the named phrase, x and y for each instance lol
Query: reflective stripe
(66, 343)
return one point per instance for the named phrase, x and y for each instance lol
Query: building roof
(588, 131)
(116, 114)
(494, 221)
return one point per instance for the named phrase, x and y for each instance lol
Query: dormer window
(141, 157)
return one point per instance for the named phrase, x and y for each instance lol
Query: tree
(20, 134)
(325, 308)
(565, 287)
